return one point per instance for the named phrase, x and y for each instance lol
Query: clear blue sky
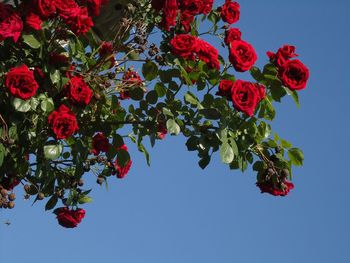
(175, 212)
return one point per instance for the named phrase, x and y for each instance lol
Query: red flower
(231, 35)
(186, 19)
(78, 91)
(283, 54)
(208, 54)
(271, 188)
(242, 55)
(58, 59)
(21, 83)
(94, 6)
(161, 131)
(130, 79)
(10, 182)
(225, 88)
(80, 23)
(184, 46)
(122, 171)
(67, 9)
(196, 7)
(107, 50)
(170, 11)
(157, 4)
(230, 12)
(11, 24)
(33, 21)
(63, 122)
(294, 74)
(99, 144)
(246, 96)
(69, 218)
(45, 8)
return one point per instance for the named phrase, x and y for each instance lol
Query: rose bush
(73, 96)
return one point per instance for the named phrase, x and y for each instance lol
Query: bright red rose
(33, 21)
(196, 7)
(21, 83)
(242, 55)
(122, 171)
(186, 19)
(11, 24)
(99, 144)
(225, 88)
(246, 96)
(271, 188)
(63, 122)
(81, 22)
(230, 12)
(45, 8)
(69, 218)
(67, 9)
(170, 11)
(283, 54)
(208, 54)
(231, 35)
(294, 74)
(78, 91)
(184, 46)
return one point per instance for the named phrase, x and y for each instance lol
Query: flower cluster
(69, 218)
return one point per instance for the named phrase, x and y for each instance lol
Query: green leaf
(150, 70)
(173, 127)
(294, 95)
(210, 114)
(52, 152)
(204, 162)
(123, 157)
(296, 156)
(286, 144)
(256, 73)
(84, 199)
(55, 76)
(160, 89)
(226, 153)
(47, 105)
(193, 100)
(2, 154)
(136, 93)
(152, 97)
(31, 41)
(51, 203)
(143, 149)
(34, 102)
(21, 105)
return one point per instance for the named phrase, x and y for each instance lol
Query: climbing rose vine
(82, 79)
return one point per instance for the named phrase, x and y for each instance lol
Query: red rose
(33, 21)
(10, 182)
(225, 87)
(246, 96)
(208, 54)
(78, 91)
(242, 55)
(230, 12)
(170, 11)
(186, 19)
(69, 218)
(67, 9)
(45, 8)
(11, 24)
(99, 144)
(161, 131)
(80, 23)
(157, 4)
(294, 74)
(106, 50)
(130, 79)
(21, 83)
(57, 59)
(122, 171)
(283, 54)
(94, 6)
(271, 188)
(196, 7)
(63, 122)
(184, 46)
(232, 34)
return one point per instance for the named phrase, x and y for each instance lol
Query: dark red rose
(10, 182)
(208, 54)
(225, 88)
(184, 46)
(161, 131)
(33, 21)
(63, 122)
(45, 8)
(69, 218)
(106, 50)
(99, 144)
(67, 9)
(170, 11)
(230, 12)
(94, 6)
(122, 171)
(273, 189)
(39, 74)
(57, 59)
(78, 91)
(242, 55)
(21, 83)
(157, 4)
(294, 74)
(81, 22)
(283, 54)
(130, 79)
(11, 24)
(231, 35)
(246, 96)
(196, 7)
(186, 19)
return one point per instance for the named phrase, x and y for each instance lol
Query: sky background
(175, 212)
